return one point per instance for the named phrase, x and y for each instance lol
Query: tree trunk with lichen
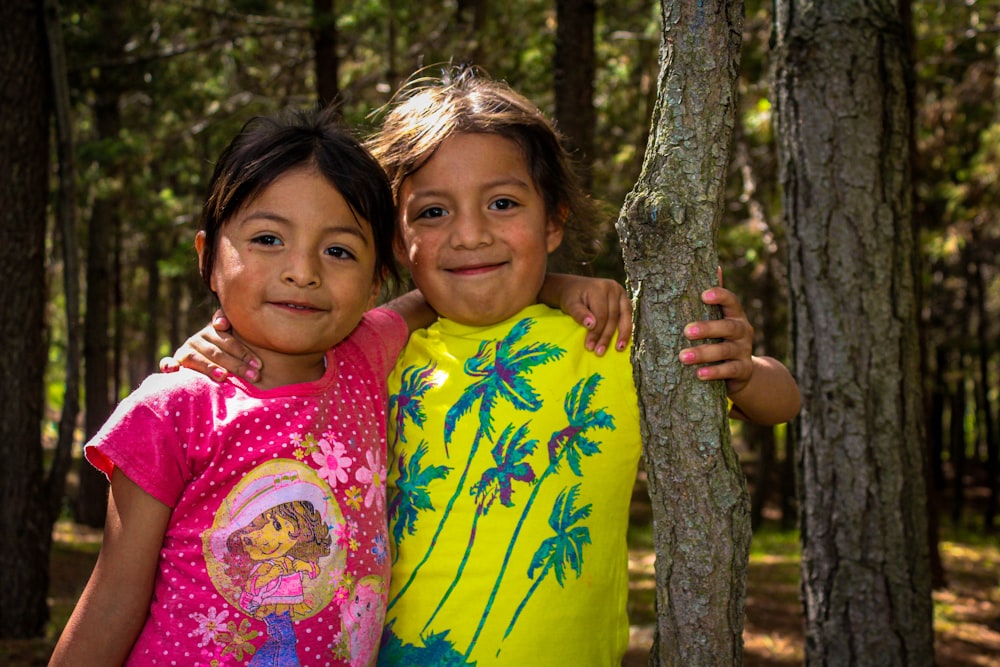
(843, 127)
(668, 229)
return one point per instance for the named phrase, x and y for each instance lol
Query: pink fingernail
(687, 356)
(218, 374)
(254, 363)
(252, 375)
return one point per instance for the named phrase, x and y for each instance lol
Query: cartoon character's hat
(260, 495)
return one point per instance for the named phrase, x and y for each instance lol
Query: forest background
(155, 90)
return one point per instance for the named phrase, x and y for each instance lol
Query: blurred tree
(843, 138)
(26, 523)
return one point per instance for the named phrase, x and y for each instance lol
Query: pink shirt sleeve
(381, 336)
(142, 438)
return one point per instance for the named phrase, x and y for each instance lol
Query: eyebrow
(514, 181)
(343, 228)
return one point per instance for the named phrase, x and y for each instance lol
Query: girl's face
(474, 231)
(272, 540)
(294, 272)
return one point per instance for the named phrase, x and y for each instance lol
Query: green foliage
(184, 76)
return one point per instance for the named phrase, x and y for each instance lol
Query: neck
(280, 369)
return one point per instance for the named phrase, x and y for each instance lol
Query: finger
(606, 322)
(169, 365)
(727, 329)
(624, 323)
(220, 322)
(728, 301)
(728, 370)
(218, 354)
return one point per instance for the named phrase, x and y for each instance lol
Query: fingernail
(691, 330)
(588, 322)
(687, 356)
(703, 373)
(252, 375)
(601, 349)
(254, 363)
(620, 346)
(218, 374)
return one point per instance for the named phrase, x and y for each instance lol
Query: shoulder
(379, 338)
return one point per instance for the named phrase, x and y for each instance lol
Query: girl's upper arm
(121, 586)
(414, 309)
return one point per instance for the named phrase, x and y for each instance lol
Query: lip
(296, 307)
(476, 269)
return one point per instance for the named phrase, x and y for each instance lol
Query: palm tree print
(501, 367)
(564, 548)
(570, 440)
(571, 443)
(409, 496)
(497, 482)
(408, 401)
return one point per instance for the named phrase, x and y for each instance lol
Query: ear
(376, 290)
(554, 228)
(400, 250)
(199, 246)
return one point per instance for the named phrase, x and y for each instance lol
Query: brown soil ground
(967, 611)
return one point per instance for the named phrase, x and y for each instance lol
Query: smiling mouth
(299, 307)
(474, 269)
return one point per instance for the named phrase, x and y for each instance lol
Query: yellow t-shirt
(513, 453)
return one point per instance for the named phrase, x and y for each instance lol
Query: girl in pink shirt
(247, 522)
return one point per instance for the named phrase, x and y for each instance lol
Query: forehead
(473, 157)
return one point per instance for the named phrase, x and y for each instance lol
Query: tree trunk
(66, 216)
(100, 377)
(573, 78)
(957, 441)
(985, 412)
(25, 524)
(843, 128)
(668, 231)
(325, 56)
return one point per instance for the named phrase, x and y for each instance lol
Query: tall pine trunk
(25, 522)
(668, 230)
(843, 127)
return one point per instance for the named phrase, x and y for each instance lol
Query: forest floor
(966, 612)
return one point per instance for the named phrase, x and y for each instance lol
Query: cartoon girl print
(270, 542)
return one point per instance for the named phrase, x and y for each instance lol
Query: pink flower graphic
(332, 462)
(210, 625)
(374, 475)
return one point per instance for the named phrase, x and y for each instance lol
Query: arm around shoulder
(114, 605)
(771, 395)
(414, 309)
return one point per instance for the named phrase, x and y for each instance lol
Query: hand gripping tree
(668, 229)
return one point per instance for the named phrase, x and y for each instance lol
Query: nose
(301, 270)
(471, 230)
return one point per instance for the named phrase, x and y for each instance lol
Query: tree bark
(843, 128)
(573, 78)
(668, 230)
(325, 58)
(25, 525)
(99, 377)
(67, 225)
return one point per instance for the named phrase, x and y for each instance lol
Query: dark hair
(466, 100)
(270, 146)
